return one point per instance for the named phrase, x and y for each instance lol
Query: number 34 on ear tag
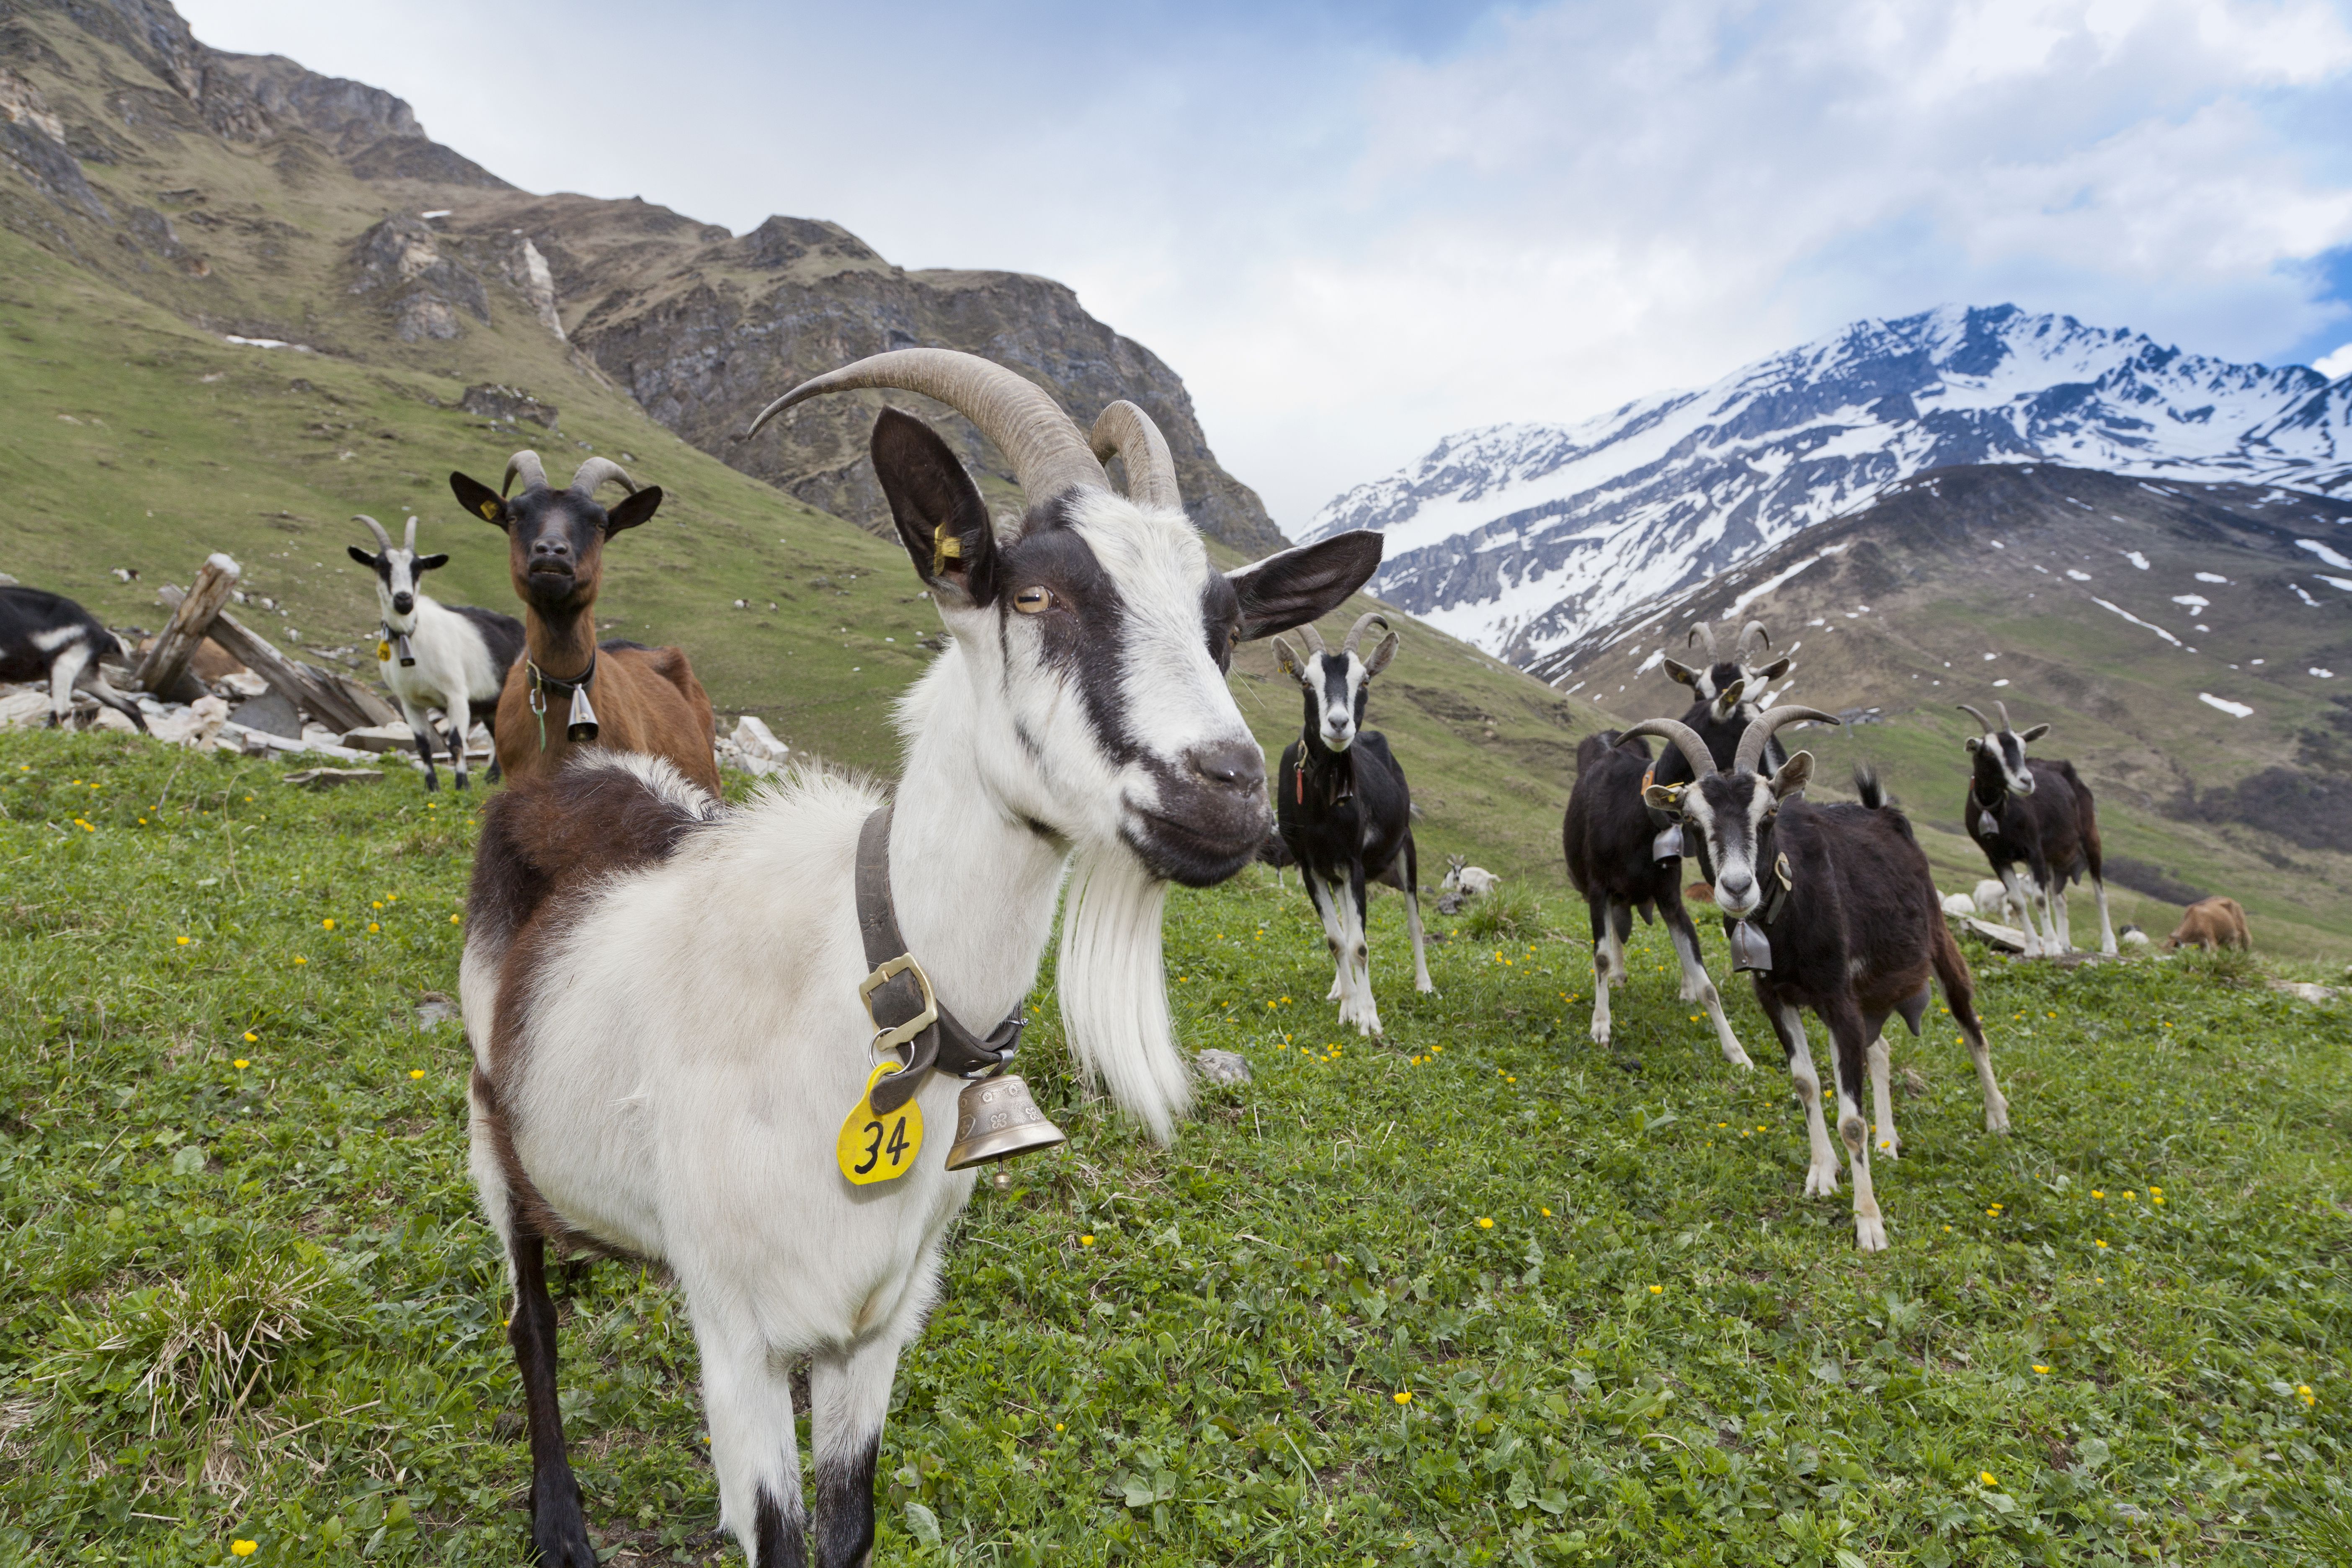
(874, 1148)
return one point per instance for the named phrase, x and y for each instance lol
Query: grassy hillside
(1970, 584)
(1484, 1294)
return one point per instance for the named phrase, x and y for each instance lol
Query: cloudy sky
(1354, 225)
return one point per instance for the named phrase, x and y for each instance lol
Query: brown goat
(2209, 923)
(644, 698)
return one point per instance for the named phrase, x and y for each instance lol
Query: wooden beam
(312, 691)
(166, 659)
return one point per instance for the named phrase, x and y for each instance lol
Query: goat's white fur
(454, 667)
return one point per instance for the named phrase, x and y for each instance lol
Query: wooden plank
(166, 660)
(306, 688)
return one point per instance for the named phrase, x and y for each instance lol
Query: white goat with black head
(431, 654)
(1345, 811)
(663, 995)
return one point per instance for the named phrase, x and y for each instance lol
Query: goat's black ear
(1774, 670)
(941, 519)
(1306, 583)
(1681, 673)
(479, 499)
(428, 563)
(1380, 655)
(361, 556)
(639, 507)
(2035, 733)
(1793, 776)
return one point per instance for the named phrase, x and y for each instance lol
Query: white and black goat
(1843, 898)
(2040, 817)
(1724, 694)
(1344, 810)
(454, 658)
(663, 994)
(1615, 860)
(46, 638)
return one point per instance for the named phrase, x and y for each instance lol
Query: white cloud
(1351, 243)
(2336, 366)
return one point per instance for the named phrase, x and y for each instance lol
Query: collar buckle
(887, 1039)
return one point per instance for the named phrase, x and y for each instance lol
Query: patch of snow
(2234, 709)
(1990, 657)
(2002, 682)
(2327, 556)
(2304, 596)
(1997, 544)
(2137, 559)
(2078, 576)
(428, 217)
(2135, 620)
(1750, 595)
(2196, 602)
(1651, 663)
(2210, 577)
(2342, 583)
(2323, 674)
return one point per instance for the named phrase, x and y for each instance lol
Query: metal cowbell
(1751, 950)
(1668, 845)
(581, 726)
(401, 650)
(995, 1120)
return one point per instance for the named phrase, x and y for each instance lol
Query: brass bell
(582, 725)
(995, 1120)
(1751, 950)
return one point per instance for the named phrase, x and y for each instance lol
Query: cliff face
(250, 196)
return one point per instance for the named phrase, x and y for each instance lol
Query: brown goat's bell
(581, 727)
(995, 1120)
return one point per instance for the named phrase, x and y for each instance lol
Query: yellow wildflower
(1402, 1396)
(1085, 1241)
(243, 1548)
(240, 1064)
(415, 1072)
(1486, 1223)
(329, 923)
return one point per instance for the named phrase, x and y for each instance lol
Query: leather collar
(905, 995)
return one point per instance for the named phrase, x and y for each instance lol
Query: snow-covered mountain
(1519, 537)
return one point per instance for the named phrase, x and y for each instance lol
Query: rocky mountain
(1522, 538)
(2190, 644)
(261, 200)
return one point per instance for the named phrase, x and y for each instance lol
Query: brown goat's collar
(904, 996)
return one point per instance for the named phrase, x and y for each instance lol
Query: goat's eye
(1033, 601)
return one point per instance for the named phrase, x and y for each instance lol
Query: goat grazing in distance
(1854, 927)
(2209, 923)
(1346, 812)
(1464, 881)
(663, 996)
(46, 636)
(2053, 833)
(430, 655)
(644, 698)
(1612, 851)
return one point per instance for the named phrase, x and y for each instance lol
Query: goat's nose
(554, 547)
(1239, 766)
(1735, 885)
(403, 602)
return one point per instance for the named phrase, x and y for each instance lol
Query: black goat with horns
(1724, 692)
(1344, 811)
(1853, 924)
(2053, 831)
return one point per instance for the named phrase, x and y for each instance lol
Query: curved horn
(409, 544)
(2003, 708)
(1126, 432)
(599, 471)
(1314, 639)
(1685, 740)
(1699, 632)
(527, 464)
(1972, 713)
(1048, 454)
(1752, 629)
(382, 539)
(1753, 739)
(1356, 630)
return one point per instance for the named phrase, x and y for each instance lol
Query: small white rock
(1224, 1066)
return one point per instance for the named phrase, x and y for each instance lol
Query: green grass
(255, 1303)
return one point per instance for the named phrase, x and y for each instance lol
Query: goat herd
(664, 996)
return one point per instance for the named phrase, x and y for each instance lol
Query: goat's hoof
(562, 1541)
(1888, 1149)
(1821, 1183)
(1869, 1233)
(1600, 1033)
(1426, 987)
(1997, 1121)
(461, 781)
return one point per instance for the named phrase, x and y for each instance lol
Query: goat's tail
(1868, 788)
(1113, 987)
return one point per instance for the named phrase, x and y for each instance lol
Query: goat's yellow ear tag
(490, 511)
(877, 1148)
(382, 650)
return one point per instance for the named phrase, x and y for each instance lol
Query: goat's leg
(1610, 922)
(1404, 874)
(2106, 925)
(1960, 996)
(1821, 1168)
(848, 1397)
(64, 670)
(1360, 950)
(1697, 985)
(1882, 1095)
(93, 681)
(2062, 920)
(458, 745)
(1327, 908)
(557, 1529)
(2020, 896)
(420, 724)
(1850, 1034)
(747, 1395)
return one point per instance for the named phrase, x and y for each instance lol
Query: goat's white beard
(1113, 986)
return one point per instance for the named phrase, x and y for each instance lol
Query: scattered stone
(328, 778)
(2304, 991)
(508, 406)
(435, 1010)
(270, 713)
(25, 710)
(381, 737)
(1224, 1066)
